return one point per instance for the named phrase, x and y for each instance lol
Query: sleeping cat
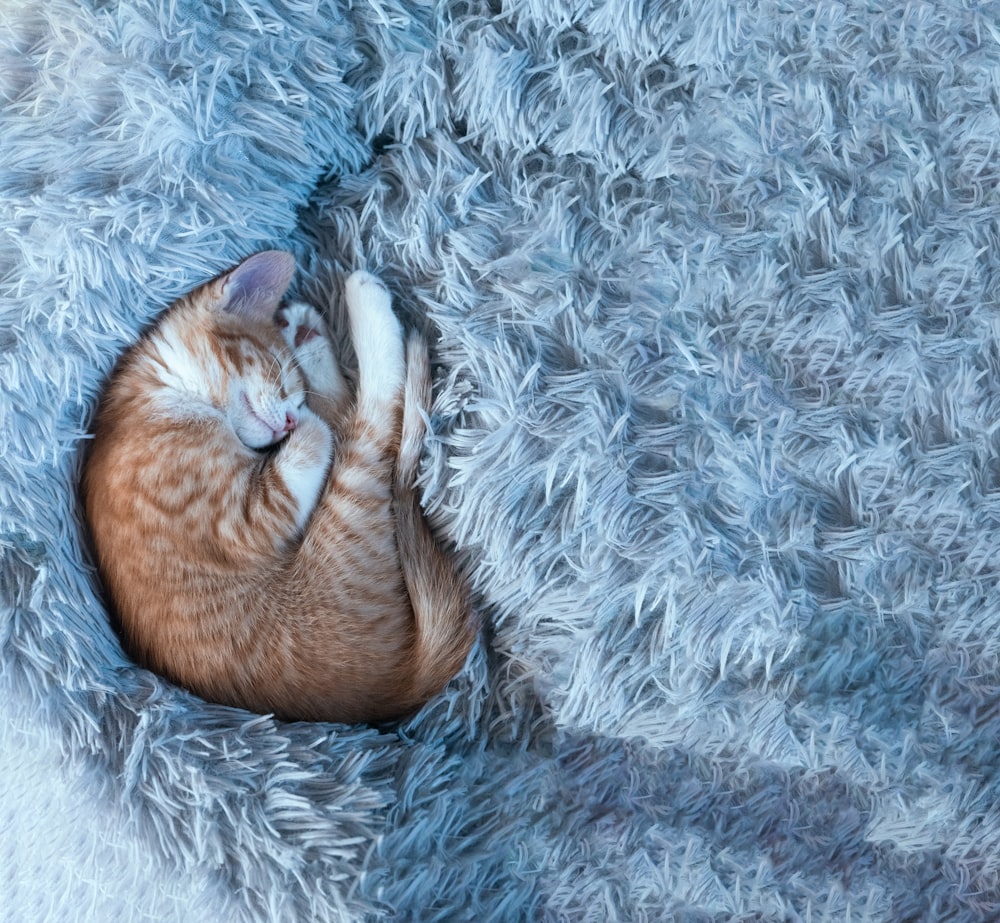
(256, 524)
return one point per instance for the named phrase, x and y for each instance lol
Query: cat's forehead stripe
(246, 346)
(183, 368)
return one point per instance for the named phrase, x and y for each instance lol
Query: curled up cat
(255, 520)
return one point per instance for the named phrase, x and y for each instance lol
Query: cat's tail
(439, 597)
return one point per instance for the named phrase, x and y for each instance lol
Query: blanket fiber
(711, 289)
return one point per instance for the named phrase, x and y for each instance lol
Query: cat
(256, 524)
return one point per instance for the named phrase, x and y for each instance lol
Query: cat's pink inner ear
(255, 287)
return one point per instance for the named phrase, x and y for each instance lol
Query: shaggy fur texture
(711, 288)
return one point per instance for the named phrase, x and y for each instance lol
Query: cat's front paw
(300, 323)
(303, 462)
(306, 335)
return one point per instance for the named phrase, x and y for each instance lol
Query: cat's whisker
(276, 371)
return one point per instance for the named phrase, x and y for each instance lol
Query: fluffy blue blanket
(711, 291)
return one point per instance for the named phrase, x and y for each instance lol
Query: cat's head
(225, 346)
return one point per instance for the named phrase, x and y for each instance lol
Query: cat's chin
(260, 442)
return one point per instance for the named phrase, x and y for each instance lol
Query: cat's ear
(255, 287)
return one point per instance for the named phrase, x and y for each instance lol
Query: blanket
(710, 287)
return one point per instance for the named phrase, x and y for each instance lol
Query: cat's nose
(291, 421)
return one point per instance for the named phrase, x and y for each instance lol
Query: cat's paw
(416, 403)
(377, 336)
(366, 292)
(306, 335)
(304, 461)
(300, 323)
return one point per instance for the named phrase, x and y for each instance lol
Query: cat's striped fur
(256, 525)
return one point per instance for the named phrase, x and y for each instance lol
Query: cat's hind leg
(438, 594)
(378, 344)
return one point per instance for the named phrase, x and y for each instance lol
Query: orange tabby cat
(256, 525)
